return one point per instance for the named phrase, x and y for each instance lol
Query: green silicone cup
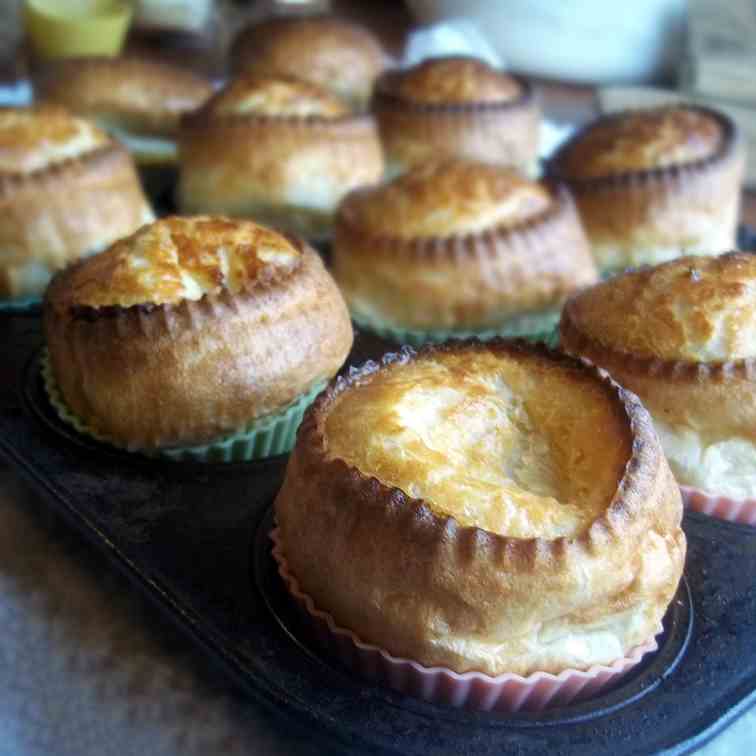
(21, 304)
(267, 437)
(541, 327)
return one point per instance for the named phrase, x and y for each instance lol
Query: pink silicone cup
(506, 693)
(742, 511)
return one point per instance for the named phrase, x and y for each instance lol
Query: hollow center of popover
(456, 81)
(643, 140)
(519, 446)
(176, 258)
(447, 198)
(34, 138)
(696, 309)
(279, 96)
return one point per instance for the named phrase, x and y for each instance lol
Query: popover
(191, 329)
(276, 149)
(681, 336)
(66, 190)
(328, 51)
(456, 107)
(140, 102)
(458, 245)
(655, 184)
(492, 507)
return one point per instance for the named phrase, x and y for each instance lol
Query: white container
(595, 41)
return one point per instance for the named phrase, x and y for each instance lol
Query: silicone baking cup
(20, 304)
(742, 511)
(536, 327)
(505, 693)
(266, 437)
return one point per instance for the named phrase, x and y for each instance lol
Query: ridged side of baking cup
(20, 304)
(541, 327)
(742, 511)
(266, 437)
(505, 693)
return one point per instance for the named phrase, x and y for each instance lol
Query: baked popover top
(445, 198)
(641, 140)
(277, 96)
(35, 138)
(694, 309)
(488, 439)
(453, 81)
(178, 258)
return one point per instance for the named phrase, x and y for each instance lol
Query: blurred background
(585, 56)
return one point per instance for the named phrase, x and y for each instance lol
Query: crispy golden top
(447, 198)
(182, 258)
(519, 446)
(455, 81)
(272, 95)
(34, 138)
(112, 85)
(641, 140)
(700, 309)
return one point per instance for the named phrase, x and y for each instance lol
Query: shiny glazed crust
(413, 132)
(150, 376)
(57, 214)
(715, 399)
(475, 280)
(289, 172)
(650, 216)
(331, 52)
(139, 96)
(421, 586)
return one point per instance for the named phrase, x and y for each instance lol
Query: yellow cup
(72, 28)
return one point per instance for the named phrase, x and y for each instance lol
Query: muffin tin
(194, 539)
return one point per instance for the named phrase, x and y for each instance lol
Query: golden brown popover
(489, 507)
(458, 107)
(138, 101)
(655, 184)
(682, 336)
(458, 244)
(278, 149)
(331, 52)
(191, 328)
(66, 190)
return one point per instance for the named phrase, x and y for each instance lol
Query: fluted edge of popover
(180, 374)
(646, 499)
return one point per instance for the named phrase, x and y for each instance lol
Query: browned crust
(244, 164)
(713, 396)
(90, 87)
(361, 522)
(56, 214)
(503, 132)
(288, 45)
(207, 118)
(490, 275)
(163, 375)
(628, 216)
(731, 139)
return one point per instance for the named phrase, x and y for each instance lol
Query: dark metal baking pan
(194, 539)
